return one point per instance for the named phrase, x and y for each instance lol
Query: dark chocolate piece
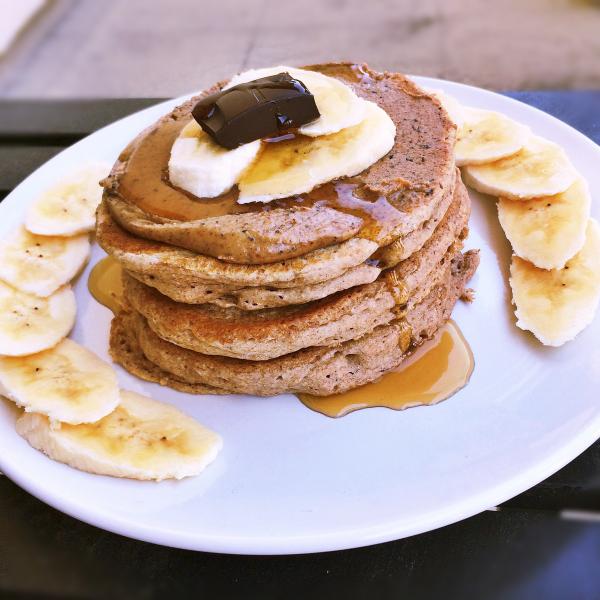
(257, 109)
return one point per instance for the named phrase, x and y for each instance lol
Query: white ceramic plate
(290, 480)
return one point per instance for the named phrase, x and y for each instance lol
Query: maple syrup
(399, 291)
(436, 371)
(105, 284)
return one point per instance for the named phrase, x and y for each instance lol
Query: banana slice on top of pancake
(540, 168)
(66, 383)
(298, 165)
(202, 167)
(140, 439)
(486, 136)
(40, 264)
(547, 231)
(69, 206)
(30, 324)
(556, 305)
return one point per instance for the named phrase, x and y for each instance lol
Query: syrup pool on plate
(104, 283)
(436, 371)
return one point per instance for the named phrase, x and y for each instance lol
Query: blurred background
(160, 48)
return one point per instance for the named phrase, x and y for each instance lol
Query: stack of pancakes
(318, 293)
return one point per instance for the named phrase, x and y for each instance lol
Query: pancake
(269, 333)
(186, 268)
(256, 298)
(392, 198)
(316, 370)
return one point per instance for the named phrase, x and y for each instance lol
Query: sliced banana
(29, 324)
(486, 136)
(66, 383)
(338, 105)
(556, 305)
(140, 439)
(40, 264)
(540, 168)
(451, 105)
(69, 206)
(200, 166)
(547, 231)
(298, 165)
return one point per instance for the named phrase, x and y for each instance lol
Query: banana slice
(202, 167)
(140, 439)
(486, 136)
(547, 231)
(298, 165)
(540, 168)
(338, 105)
(455, 110)
(556, 305)
(69, 206)
(29, 324)
(66, 383)
(40, 264)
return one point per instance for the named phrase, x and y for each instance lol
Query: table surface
(542, 543)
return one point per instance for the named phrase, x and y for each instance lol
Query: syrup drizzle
(398, 290)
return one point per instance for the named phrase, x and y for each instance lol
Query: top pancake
(389, 200)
